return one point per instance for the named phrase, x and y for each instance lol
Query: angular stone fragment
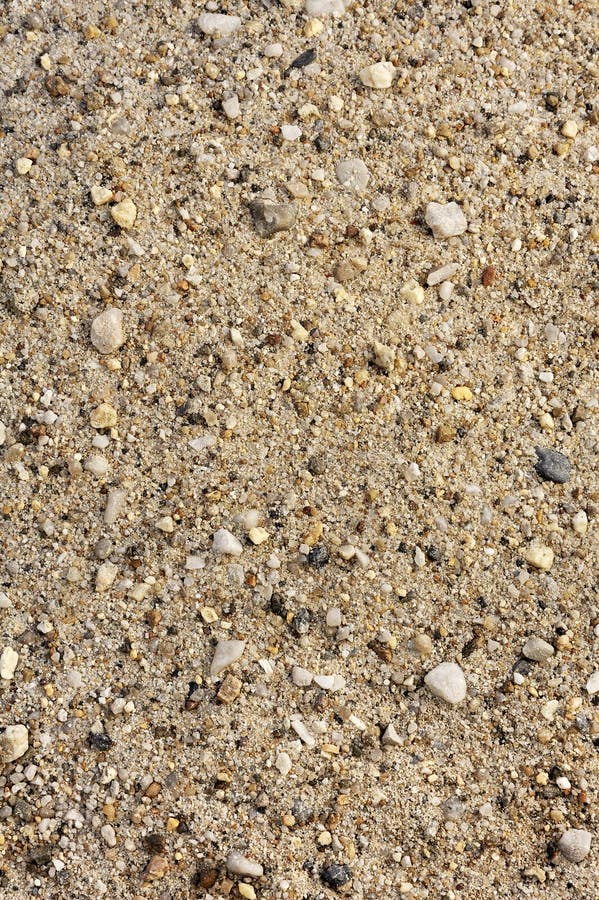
(225, 654)
(447, 682)
(14, 742)
(225, 543)
(445, 219)
(379, 75)
(353, 175)
(124, 213)
(103, 416)
(539, 556)
(575, 844)
(551, 465)
(230, 689)
(270, 217)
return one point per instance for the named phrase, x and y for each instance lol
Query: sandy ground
(367, 441)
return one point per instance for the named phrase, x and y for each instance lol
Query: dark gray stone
(552, 466)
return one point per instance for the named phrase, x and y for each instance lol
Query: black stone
(304, 59)
(100, 741)
(335, 875)
(552, 466)
(318, 556)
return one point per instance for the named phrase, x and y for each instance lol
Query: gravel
(552, 466)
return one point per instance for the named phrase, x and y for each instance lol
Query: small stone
(283, 763)
(97, 465)
(461, 392)
(8, 663)
(166, 524)
(103, 416)
(592, 684)
(441, 274)
(447, 682)
(107, 330)
(412, 291)
(291, 132)
(270, 217)
(446, 290)
(575, 844)
(100, 195)
(537, 649)
(218, 24)
(108, 835)
(231, 107)
(225, 543)
(301, 677)
(336, 876)
(246, 890)
(569, 129)
(105, 576)
(384, 357)
(273, 51)
(539, 556)
(333, 619)
(318, 556)
(238, 864)
(445, 219)
(156, 868)
(258, 535)
(124, 213)
(225, 654)
(14, 742)
(378, 76)
(353, 175)
(23, 165)
(551, 465)
(115, 502)
(303, 733)
(391, 738)
(580, 522)
(444, 434)
(422, 644)
(230, 689)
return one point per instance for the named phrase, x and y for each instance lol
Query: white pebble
(225, 654)
(105, 576)
(8, 663)
(301, 677)
(539, 556)
(447, 682)
(575, 844)
(353, 175)
(441, 274)
(325, 7)
(115, 502)
(107, 330)
(238, 864)
(378, 76)
(537, 649)
(592, 684)
(291, 132)
(97, 465)
(273, 51)
(225, 543)
(218, 24)
(445, 219)
(303, 733)
(283, 763)
(231, 107)
(14, 742)
(108, 835)
(580, 522)
(334, 617)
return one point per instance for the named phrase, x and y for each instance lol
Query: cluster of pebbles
(298, 449)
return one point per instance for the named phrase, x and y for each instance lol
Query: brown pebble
(153, 789)
(444, 434)
(229, 689)
(56, 86)
(488, 276)
(206, 878)
(155, 869)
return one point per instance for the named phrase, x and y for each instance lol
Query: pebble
(291, 132)
(258, 535)
(453, 809)
(378, 76)
(592, 684)
(107, 330)
(97, 465)
(108, 835)
(14, 742)
(551, 465)
(225, 543)
(539, 556)
(105, 576)
(569, 129)
(8, 663)
(238, 864)
(115, 502)
(384, 357)
(100, 195)
(325, 7)
(445, 219)
(537, 649)
(333, 618)
(301, 677)
(303, 733)
(353, 175)
(336, 876)
(446, 290)
(124, 213)
(218, 24)
(412, 291)
(166, 524)
(391, 738)
(575, 844)
(580, 522)
(231, 107)
(447, 682)
(273, 51)
(318, 556)
(283, 763)
(225, 654)
(270, 218)
(103, 416)
(441, 274)
(23, 165)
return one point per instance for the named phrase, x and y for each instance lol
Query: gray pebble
(552, 466)
(269, 217)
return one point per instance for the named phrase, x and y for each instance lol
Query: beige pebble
(258, 535)
(166, 524)
(412, 292)
(100, 195)
(569, 129)
(461, 393)
(103, 416)
(105, 576)
(23, 165)
(124, 213)
(8, 663)
(539, 556)
(378, 76)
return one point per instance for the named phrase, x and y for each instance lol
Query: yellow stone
(246, 890)
(570, 129)
(103, 416)
(258, 535)
(539, 556)
(124, 213)
(412, 291)
(461, 393)
(313, 27)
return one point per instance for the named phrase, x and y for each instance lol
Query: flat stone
(575, 844)
(353, 175)
(445, 219)
(225, 654)
(441, 274)
(124, 213)
(270, 218)
(8, 663)
(447, 682)
(539, 556)
(537, 649)
(379, 75)
(107, 330)
(238, 864)
(218, 24)
(14, 742)
(551, 465)
(225, 543)
(391, 738)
